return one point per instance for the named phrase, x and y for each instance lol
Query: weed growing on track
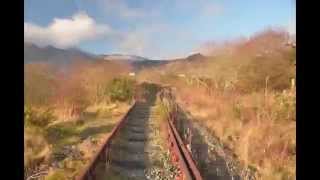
(162, 167)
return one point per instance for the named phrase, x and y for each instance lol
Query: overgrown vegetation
(244, 94)
(246, 97)
(62, 109)
(40, 118)
(260, 129)
(121, 89)
(274, 72)
(39, 84)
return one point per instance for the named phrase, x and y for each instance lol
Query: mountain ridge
(51, 54)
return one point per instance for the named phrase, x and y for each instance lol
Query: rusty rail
(102, 154)
(178, 151)
(180, 154)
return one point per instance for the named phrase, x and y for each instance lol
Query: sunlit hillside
(245, 97)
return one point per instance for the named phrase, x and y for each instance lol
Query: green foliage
(36, 149)
(104, 113)
(59, 132)
(150, 88)
(162, 110)
(40, 118)
(57, 175)
(121, 89)
(286, 106)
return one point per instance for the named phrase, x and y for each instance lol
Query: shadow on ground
(211, 164)
(59, 133)
(128, 157)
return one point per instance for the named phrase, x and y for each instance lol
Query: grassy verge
(64, 147)
(259, 128)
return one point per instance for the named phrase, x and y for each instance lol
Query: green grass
(121, 89)
(70, 133)
(57, 175)
(58, 135)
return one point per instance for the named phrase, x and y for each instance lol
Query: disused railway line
(103, 153)
(179, 154)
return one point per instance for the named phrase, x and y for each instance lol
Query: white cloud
(67, 32)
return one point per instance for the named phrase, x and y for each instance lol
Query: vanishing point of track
(124, 149)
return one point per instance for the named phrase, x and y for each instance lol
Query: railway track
(129, 151)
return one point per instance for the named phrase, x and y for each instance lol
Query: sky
(154, 29)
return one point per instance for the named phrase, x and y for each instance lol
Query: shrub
(120, 89)
(72, 95)
(261, 72)
(152, 88)
(259, 129)
(36, 117)
(61, 131)
(36, 148)
(285, 106)
(162, 109)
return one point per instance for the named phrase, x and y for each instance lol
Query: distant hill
(226, 58)
(136, 62)
(192, 57)
(123, 57)
(50, 54)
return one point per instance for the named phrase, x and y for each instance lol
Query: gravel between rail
(138, 150)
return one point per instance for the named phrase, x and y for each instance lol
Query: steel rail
(178, 151)
(180, 154)
(102, 154)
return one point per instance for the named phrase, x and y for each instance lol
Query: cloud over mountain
(67, 32)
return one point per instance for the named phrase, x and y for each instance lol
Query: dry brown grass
(259, 129)
(68, 93)
(37, 150)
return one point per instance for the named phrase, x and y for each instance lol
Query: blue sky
(154, 29)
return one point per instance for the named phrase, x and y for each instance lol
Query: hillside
(242, 99)
(268, 47)
(138, 63)
(50, 54)
(122, 57)
(245, 97)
